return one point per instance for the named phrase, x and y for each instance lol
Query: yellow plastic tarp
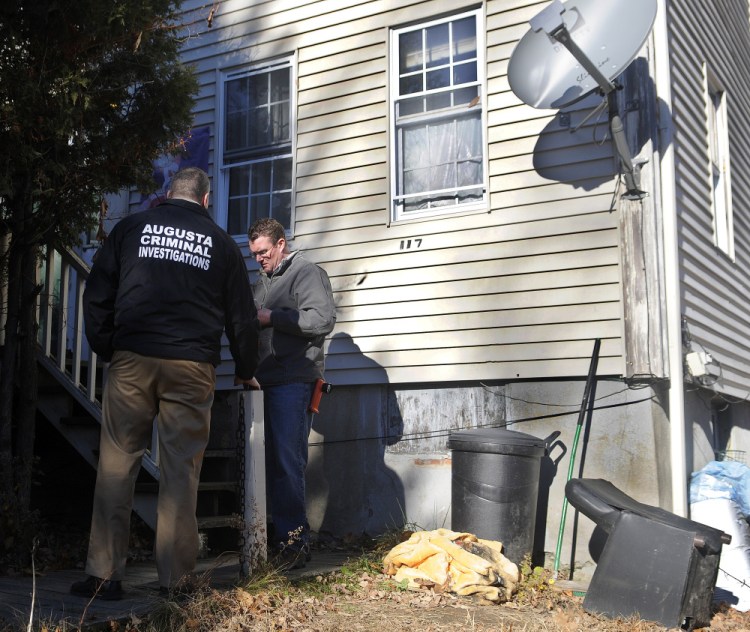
(457, 562)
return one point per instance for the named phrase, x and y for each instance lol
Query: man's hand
(248, 385)
(264, 317)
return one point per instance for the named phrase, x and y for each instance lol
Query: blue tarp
(722, 479)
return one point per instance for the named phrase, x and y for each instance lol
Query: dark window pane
(282, 209)
(464, 39)
(282, 174)
(410, 52)
(437, 46)
(410, 84)
(464, 96)
(261, 178)
(259, 128)
(259, 207)
(410, 106)
(236, 131)
(237, 216)
(238, 181)
(280, 85)
(258, 90)
(236, 94)
(438, 101)
(465, 73)
(438, 78)
(279, 122)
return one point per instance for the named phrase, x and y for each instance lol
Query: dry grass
(359, 598)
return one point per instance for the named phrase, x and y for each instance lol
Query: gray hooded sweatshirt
(300, 296)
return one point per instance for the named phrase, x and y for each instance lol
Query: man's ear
(205, 201)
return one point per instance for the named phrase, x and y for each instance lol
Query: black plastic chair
(655, 564)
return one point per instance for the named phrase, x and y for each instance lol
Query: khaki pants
(138, 388)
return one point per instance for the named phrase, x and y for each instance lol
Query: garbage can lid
(497, 441)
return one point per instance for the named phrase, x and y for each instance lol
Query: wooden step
(152, 487)
(215, 522)
(79, 420)
(227, 453)
(217, 486)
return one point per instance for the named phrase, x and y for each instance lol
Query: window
(256, 161)
(437, 123)
(719, 172)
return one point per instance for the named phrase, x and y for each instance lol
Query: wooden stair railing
(63, 349)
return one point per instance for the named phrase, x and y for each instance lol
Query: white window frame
(221, 193)
(396, 208)
(719, 167)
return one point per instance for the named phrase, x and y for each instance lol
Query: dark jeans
(287, 427)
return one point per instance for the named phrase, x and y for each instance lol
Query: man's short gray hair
(190, 183)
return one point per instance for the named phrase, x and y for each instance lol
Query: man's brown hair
(266, 227)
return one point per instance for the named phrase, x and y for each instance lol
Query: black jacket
(165, 284)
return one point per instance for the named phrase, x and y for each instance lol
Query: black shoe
(104, 589)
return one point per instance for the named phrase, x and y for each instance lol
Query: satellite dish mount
(543, 78)
(551, 22)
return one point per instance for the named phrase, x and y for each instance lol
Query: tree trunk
(21, 210)
(8, 371)
(26, 395)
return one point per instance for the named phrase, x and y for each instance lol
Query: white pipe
(663, 81)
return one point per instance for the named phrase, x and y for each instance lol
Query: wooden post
(256, 536)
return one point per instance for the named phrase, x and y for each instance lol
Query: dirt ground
(369, 603)
(359, 598)
(463, 615)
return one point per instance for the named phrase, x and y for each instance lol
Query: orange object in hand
(321, 386)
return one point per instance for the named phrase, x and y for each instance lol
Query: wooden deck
(48, 600)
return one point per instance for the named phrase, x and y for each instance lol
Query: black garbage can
(495, 486)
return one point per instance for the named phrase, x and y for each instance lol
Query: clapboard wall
(715, 289)
(518, 291)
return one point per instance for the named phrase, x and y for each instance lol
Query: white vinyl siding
(518, 291)
(715, 288)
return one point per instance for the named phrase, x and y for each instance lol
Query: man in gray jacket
(295, 310)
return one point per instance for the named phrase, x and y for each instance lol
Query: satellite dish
(543, 74)
(576, 47)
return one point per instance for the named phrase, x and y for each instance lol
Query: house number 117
(407, 244)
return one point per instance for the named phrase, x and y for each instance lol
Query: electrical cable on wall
(432, 434)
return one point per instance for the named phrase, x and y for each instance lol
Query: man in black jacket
(165, 285)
